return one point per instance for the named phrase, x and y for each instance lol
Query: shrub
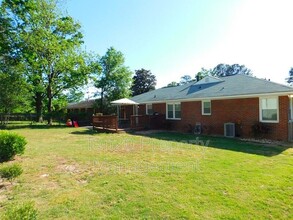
(25, 211)
(260, 129)
(11, 144)
(10, 171)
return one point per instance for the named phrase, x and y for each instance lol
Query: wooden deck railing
(106, 122)
(110, 122)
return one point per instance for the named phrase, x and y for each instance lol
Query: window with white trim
(173, 111)
(206, 107)
(149, 109)
(269, 109)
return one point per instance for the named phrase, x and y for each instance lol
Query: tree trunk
(102, 102)
(39, 106)
(49, 95)
(50, 119)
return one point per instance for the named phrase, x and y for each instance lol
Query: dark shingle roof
(212, 87)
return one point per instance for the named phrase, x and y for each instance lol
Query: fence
(5, 118)
(29, 117)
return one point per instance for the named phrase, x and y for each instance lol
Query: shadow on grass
(84, 132)
(221, 143)
(92, 131)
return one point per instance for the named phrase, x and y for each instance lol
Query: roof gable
(209, 79)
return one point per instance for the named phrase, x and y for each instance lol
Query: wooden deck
(109, 122)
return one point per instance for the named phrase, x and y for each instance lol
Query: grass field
(72, 173)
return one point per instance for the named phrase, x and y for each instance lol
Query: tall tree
(203, 73)
(229, 70)
(290, 78)
(185, 79)
(143, 81)
(172, 84)
(13, 91)
(13, 88)
(49, 44)
(114, 80)
(74, 95)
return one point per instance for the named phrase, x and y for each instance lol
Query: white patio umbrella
(124, 101)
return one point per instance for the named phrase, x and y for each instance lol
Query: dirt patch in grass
(3, 188)
(68, 168)
(3, 198)
(65, 166)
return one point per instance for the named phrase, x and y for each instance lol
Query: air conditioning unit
(229, 129)
(197, 128)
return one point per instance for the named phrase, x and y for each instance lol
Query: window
(206, 107)
(149, 109)
(173, 111)
(269, 111)
(177, 108)
(170, 110)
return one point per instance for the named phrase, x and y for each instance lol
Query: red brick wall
(245, 111)
(160, 108)
(281, 129)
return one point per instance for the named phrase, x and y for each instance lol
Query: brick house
(82, 111)
(251, 107)
(83, 106)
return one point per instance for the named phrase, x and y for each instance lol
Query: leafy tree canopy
(173, 84)
(229, 70)
(203, 73)
(290, 78)
(114, 78)
(185, 79)
(13, 87)
(48, 44)
(74, 95)
(143, 81)
(13, 92)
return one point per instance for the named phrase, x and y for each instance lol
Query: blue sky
(177, 37)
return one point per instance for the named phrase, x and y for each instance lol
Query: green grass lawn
(73, 173)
